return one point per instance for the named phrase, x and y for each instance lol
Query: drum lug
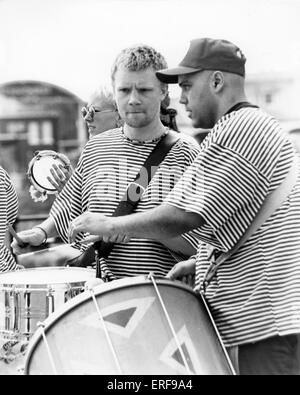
(50, 301)
(27, 312)
(7, 310)
(14, 310)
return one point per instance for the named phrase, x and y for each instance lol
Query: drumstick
(20, 242)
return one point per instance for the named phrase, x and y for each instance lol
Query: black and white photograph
(149, 190)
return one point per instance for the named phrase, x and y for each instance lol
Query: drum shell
(26, 301)
(139, 331)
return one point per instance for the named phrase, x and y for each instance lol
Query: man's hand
(97, 225)
(184, 271)
(60, 176)
(31, 237)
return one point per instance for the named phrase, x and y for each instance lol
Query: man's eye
(123, 90)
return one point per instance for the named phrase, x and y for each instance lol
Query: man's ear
(119, 120)
(217, 80)
(113, 90)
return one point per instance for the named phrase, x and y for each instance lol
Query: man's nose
(183, 99)
(134, 97)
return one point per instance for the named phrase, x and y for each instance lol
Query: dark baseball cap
(207, 54)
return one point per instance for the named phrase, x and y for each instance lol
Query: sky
(73, 43)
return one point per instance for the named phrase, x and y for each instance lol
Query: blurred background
(55, 53)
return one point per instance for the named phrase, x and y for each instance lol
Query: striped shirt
(8, 214)
(255, 294)
(107, 165)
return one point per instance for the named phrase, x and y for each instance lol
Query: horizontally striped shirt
(8, 214)
(107, 165)
(255, 294)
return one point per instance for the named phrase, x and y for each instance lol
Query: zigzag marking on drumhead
(171, 355)
(121, 318)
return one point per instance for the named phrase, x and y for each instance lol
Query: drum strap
(136, 189)
(271, 203)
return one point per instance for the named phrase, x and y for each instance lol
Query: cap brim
(170, 76)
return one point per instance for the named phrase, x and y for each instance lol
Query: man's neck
(149, 132)
(228, 104)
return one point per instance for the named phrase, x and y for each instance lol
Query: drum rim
(7, 285)
(84, 296)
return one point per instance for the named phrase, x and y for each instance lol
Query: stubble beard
(137, 123)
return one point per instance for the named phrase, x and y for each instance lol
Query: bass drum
(131, 326)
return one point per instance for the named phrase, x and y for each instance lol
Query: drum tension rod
(41, 325)
(90, 288)
(151, 277)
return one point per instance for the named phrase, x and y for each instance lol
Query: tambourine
(39, 169)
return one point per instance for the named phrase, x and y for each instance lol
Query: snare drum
(31, 295)
(39, 169)
(130, 326)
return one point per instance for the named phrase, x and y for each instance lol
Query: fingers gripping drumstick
(20, 242)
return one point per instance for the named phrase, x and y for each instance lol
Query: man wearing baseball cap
(243, 192)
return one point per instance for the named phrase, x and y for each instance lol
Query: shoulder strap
(271, 203)
(137, 187)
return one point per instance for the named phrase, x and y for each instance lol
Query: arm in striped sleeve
(12, 200)
(67, 205)
(223, 188)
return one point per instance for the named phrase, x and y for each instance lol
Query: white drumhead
(47, 275)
